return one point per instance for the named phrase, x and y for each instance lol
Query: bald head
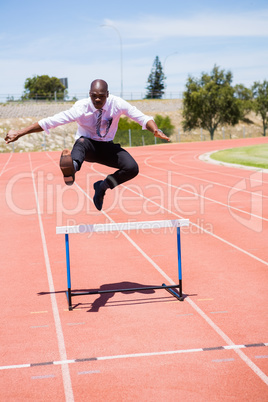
(99, 85)
(99, 93)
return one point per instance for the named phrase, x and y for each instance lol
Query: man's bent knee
(134, 170)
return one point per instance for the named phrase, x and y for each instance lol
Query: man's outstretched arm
(14, 135)
(151, 126)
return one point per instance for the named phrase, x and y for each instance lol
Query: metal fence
(127, 138)
(73, 96)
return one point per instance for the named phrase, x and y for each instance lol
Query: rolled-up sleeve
(133, 113)
(58, 119)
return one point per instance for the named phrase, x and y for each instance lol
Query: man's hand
(159, 133)
(151, 126)
(12, 135)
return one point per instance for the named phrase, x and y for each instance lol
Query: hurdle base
(69, 298)
(173, 291)
(169, 288)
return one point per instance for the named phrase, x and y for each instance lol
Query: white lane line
(63, 362)
(242, 355)
(131, 241)
(205, 180)
(202, 229)
(15, 366)
(229, 342)
(219, 172)
(135, 355)
(249, 363)
(61, 344)
(149, 354)
(205, 198)
(5, 165)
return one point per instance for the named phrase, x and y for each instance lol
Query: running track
(142, 346)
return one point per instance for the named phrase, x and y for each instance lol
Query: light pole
(121, 53)
(166, 60)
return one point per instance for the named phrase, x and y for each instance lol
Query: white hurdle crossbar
(115, 227)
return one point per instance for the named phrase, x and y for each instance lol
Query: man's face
(98, 97)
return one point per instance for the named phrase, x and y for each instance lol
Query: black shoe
(99, 195)
(67, 167)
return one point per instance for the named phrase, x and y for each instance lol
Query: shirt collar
(105, 107)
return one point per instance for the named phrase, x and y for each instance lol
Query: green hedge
(138, 136)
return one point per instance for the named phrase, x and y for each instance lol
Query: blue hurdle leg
(179, 258)
(170, 290)
(67, 249)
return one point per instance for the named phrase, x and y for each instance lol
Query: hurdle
(123, 227)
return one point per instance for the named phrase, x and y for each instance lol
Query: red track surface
(139, 346)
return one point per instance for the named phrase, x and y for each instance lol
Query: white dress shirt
(86, 116)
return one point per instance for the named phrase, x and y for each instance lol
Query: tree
(209, 102)
(43, 87)
(260, 105)
(155, 82)
(244, 98)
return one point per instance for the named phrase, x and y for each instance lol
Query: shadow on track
(122, 287)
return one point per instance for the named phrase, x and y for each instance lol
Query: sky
(118, 41)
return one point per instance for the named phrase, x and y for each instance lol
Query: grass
(256, 156)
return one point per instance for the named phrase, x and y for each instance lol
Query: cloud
(209, 24)
(235, 42)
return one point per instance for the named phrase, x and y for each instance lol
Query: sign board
(64, 81)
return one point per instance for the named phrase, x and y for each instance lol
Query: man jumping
(97, 118)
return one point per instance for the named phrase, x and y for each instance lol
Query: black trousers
(108, 154)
